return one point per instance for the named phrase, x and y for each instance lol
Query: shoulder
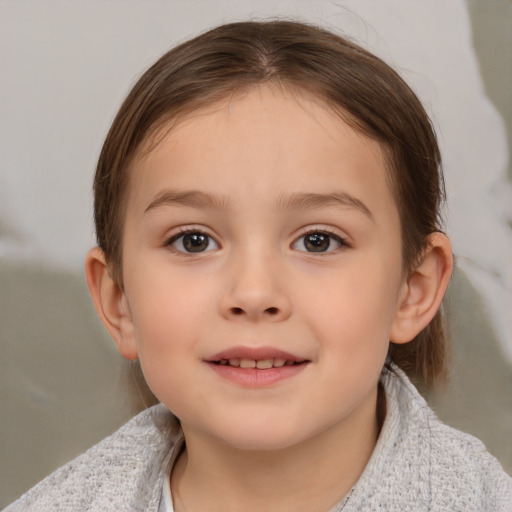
(459, 472)
(122, 472)
(463, 472)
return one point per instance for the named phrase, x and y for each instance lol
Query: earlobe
(424, 289)
(110, 303)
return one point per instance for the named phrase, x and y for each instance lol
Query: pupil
(195, 242)
(317, 242)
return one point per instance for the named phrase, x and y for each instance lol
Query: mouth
(256, 367)
(262, 358)
(260, 364)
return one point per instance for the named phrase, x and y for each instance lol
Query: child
(269, 247)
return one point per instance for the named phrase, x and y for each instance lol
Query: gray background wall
(65, 67)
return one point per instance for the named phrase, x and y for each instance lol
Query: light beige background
(66, 65)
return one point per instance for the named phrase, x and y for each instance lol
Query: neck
(313, 475)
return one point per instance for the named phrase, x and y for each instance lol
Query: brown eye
(193, 242)
(318, 241)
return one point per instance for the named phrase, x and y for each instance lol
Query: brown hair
(357, 85)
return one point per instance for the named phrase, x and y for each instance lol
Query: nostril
(238, 311)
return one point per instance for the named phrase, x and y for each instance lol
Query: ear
(421, 294)
(110, 303)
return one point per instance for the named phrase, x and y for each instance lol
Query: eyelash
(182, 234)
(342, 242)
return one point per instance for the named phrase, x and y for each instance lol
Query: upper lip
(254, 354)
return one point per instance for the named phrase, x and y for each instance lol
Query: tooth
(234, 362)
(223, 362)
(289, 363)
(279, 362)
(247, 363)
(264, 364)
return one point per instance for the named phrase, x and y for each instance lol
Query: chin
(262, 438)
(259, 444)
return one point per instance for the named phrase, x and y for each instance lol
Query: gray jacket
(419, 464)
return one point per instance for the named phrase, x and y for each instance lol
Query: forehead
(267, 139)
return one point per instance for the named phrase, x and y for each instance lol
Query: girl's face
(262, 232)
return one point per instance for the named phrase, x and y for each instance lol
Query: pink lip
(254, 377)
(254, 353)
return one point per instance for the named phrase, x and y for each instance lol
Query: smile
(260, 364)
(256, 367)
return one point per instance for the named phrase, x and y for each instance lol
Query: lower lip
(254, 378)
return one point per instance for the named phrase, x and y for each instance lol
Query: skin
(277, 446)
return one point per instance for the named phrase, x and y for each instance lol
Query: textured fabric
(124, 472)
(421, 464)
(166, 503)
(418, 465)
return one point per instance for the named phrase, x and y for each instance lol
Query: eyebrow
(192, 198)
(311, 200)
(299, 201)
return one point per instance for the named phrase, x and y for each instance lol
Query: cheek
(166, 322)
(165, 298)
(167, 335)
(169, 314)
(356, 309)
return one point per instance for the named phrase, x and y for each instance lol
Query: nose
(256, 291)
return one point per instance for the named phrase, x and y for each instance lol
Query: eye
(192, 242)
(319, 241)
